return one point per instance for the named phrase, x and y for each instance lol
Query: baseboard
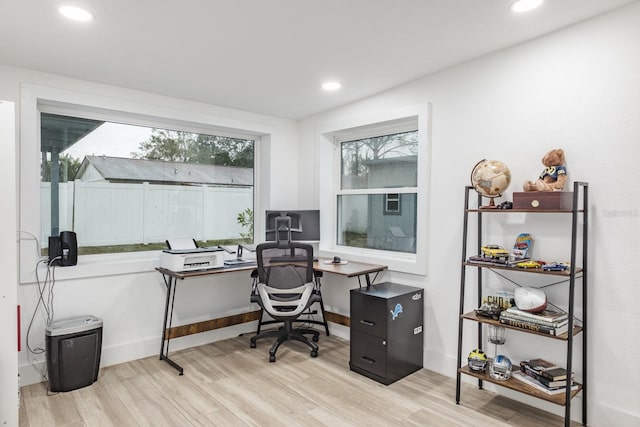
(126, 352)
(115, 354)
(339, 331)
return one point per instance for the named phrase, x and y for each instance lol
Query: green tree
(179, 146)
(356, 153)
(245, 219)
(222, 150)
(67, 169)
(174, 146)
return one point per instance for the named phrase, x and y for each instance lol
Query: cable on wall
(45, 303)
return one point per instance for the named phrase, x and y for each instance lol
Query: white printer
(191, 259)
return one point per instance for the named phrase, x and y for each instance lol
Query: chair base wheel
(252, 344)
(314, 353)
(272, 358)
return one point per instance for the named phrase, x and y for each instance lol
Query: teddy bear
(554, 176)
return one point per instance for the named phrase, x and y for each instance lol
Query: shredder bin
(73, 346)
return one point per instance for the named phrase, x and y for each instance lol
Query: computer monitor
(305, 225)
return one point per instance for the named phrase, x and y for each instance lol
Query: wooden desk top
(206, 272)
(350, 269)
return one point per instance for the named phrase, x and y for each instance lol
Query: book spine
(532, 382)
(542, 322)
(550, 377)
(551, 384)
(528, 326)
(535, 384)
(537, 316)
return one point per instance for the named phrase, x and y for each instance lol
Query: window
(392, 204)
(368, 216)
(124, 187)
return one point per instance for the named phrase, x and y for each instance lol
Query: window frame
(397, 199)
(378, 129)
(415, 117)
(172, 114)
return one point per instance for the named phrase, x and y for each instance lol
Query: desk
(351, 269)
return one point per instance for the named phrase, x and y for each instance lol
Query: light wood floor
(229, 384)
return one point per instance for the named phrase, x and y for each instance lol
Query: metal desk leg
(170, 283)
(367, 277)
(324, 318)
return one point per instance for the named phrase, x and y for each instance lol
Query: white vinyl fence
(103, 213)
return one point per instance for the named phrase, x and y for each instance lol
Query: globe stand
(491, 205)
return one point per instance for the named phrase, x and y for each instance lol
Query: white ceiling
(270, 56)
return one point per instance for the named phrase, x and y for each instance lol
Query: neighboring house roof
(116, 169)
(391, 160)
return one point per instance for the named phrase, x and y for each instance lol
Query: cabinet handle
(367, 322)
(368, 360)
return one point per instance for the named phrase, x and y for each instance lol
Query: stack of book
(544, 376)
(549, 321)
(509, 262)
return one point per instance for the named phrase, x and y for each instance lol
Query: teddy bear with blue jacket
(553, 177)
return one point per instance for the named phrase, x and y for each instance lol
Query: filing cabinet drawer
(368, 315)
(368, 353)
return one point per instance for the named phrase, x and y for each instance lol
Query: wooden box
(543, 200)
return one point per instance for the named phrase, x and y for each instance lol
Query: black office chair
(282, 229)
(285, 289)
(317, 275)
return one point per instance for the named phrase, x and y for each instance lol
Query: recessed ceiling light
(331, 86)
(75, 13)
(520, 6)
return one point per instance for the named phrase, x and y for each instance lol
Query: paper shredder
(73, 346)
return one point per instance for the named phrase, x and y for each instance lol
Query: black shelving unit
(576, 275)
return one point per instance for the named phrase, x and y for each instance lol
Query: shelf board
(566, 273)
(514, 384)
(473, 316)
(532, 210)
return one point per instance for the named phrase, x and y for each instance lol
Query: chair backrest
(284, 266)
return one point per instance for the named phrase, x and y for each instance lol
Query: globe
(490, 178)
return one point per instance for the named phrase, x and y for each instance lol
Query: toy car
(494, 251)
(530, 264)
(556, 266)
(490, 310)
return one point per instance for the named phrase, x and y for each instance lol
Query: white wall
(578, 89)
(126, 292)
(8, 258)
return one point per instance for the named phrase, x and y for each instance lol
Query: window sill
(143, 262)
(101, 265)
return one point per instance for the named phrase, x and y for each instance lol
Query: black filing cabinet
(386, 331)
